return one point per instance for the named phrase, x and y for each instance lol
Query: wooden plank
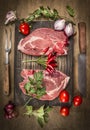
(65, 64)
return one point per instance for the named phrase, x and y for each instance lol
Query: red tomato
(64, 96)
(77, 100)
(24, 28)
(64, 111)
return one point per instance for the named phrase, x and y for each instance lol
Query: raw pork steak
(54, 83)
(36, 42)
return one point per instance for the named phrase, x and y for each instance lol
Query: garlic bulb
(59, 24)
(10, 17)
(69, 30)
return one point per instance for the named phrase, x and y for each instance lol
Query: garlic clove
(59, 24)
(69, 30)
(10, 17)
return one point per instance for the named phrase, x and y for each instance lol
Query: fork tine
(6, 43)
(10, 38)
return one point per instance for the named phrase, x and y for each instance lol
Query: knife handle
(6, 80)
(82, 37)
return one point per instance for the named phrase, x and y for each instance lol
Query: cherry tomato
(24, 28)
(64, 111)
(64, 96)
(77, 100)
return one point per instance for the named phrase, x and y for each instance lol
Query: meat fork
(7, 52)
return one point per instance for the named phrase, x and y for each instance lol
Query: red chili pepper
(49, 55)
(52, 71)
(51, 59)
(53, 62)
(50, 67)
(53, 65)
(48, 70)
(45, 50)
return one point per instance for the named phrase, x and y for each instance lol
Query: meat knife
(82, 59)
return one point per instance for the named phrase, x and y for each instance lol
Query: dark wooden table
(79, 118)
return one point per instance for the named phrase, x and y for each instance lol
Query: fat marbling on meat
(54, 82)
(37, 41)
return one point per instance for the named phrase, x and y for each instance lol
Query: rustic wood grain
(79, 118)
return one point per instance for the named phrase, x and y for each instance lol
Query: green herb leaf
(27, 86)
(38, 76)
(48, 109)
(55, 11)
(40, 92)
(40, 114)
(70, 11)
(32, 90)
(40, 121)
(31, 80)
(29, 110)
(46, 117)
(41, 7)
(39, 84)
(41, 11)
(49, 14)
(35, 85)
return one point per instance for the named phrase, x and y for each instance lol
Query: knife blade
(82, 59)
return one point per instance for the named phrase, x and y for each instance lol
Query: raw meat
(54, 83)
(36, 42)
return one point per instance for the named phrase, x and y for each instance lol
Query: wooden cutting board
(65, 64)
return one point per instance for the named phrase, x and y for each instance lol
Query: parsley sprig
(35, 85)
(40, 114)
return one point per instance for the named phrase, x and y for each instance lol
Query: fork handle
(6, 80)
